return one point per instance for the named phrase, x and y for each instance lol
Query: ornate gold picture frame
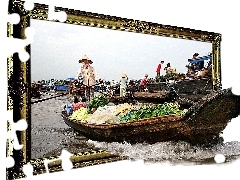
(19, 80)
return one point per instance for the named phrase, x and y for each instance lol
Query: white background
(217, 16)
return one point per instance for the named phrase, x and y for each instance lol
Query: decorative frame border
(19, 76)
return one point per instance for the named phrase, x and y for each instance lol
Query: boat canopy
(70, 79)
(203, 58)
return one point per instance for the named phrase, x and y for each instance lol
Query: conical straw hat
(123, 75)
(85, 58)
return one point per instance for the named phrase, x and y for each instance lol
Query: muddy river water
(50, 135)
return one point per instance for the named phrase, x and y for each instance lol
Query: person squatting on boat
(199, 69)
(198, 65)
(123, 84)
(143, 83)
(204, 67)
(87, 73)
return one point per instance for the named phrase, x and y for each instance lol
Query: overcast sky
(57, 47)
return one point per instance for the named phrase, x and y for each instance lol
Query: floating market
(172, 107)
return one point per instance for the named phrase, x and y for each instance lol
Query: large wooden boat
(204, 122)
(162, 92)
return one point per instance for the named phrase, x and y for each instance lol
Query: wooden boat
(163, 92)
(203, 122)
(153, 96)
(183, 86)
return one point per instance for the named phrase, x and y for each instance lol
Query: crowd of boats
(198, 68)
(75, 87)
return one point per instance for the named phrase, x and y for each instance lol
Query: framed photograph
(113, 45)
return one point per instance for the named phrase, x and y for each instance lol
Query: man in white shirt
(123, 84)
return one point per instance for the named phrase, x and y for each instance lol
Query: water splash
(169, 151)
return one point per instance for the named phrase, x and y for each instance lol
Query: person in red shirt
(143, 83)
(159, 68)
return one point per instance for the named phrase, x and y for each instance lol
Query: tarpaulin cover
(70, 79)
(203, 58)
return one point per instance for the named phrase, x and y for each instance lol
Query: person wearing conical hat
(87, 73)
(123, 84)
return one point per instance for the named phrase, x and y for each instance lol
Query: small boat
(203, 122)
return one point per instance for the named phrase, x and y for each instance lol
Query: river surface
(50, 135)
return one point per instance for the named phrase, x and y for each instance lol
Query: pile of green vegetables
(149, 111)
(129, 114)
(97, 101)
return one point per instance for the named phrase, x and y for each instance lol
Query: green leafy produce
(128, 117)
(97, 101)
(149, 111)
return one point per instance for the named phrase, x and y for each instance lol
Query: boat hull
(203, 122)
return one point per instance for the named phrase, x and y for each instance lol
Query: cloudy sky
(57, 47)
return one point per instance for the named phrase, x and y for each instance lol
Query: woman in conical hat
(87, 73)
(85, 59)
(123, 75)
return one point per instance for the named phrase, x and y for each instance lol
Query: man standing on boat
(123, 84)
(87, 73)
(159, 68)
